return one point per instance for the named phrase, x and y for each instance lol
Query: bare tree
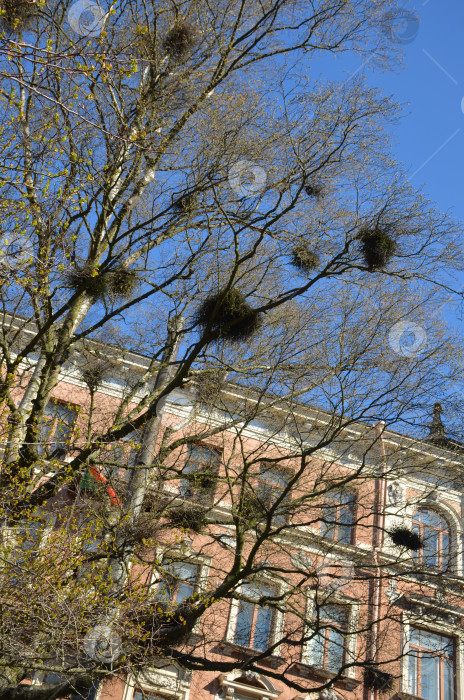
(182, 162)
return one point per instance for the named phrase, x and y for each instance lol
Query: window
(56, 430)
(199, 474)
(90, 540)
(51, 678)
(90, 694)
(254, 623)
(338, 517)
(123, 455)
(435, 534)
(327, 647)
(146, 695)
(272, 482)
(24, 540)
(431, 669)
(246, 685)
(161, 681)
(178, 582)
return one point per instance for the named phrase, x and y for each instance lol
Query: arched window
(435, 534)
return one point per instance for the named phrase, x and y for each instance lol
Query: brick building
(333, 607)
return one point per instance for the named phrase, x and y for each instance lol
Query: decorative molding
(391, 593)
(395, 493)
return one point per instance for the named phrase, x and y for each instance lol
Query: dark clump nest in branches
(17, 15)
(230, 314)
(377, 247)
(119, 282)
(188, 516)
(179, 40)
(304, 259)
(143, 531)
(403, 537)
(375, 679)
(94, 374)
(204, 480)
(122, 282)
(315, 189)
(184, 203)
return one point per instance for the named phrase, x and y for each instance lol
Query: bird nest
(377, 247)
(403, 537)
(179, 40)
(120, 282)
(315, 189)
(184, 203)
(252, 509)
(229, 315)
(17, 15)
(94, 374)
(204, 480)
(304, 259)
(188, 517)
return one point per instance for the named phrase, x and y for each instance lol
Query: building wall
(434, 602)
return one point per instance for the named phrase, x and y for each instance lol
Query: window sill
(311, 671)
(247, 653)
(406, 696)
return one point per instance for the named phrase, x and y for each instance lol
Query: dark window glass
(56, 430)
(200, 473)
(254, 623)
(431, 665)
(328, 645)
(178, 582)
(145, 695)
(90, 694)
(435, 534)
(338, 517)
(123, 455)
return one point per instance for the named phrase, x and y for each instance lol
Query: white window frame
(402, 515)
(169, 682)
(232, 687)
(442, 628)
(353, 608)
(277, 627)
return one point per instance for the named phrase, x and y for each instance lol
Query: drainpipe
(140, 477)
(378, 537)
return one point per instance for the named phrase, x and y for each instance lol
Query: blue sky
(429, 139)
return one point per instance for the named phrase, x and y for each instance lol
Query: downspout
(140, 478)
(378, 537)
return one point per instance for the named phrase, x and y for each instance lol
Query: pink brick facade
(382, 603)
